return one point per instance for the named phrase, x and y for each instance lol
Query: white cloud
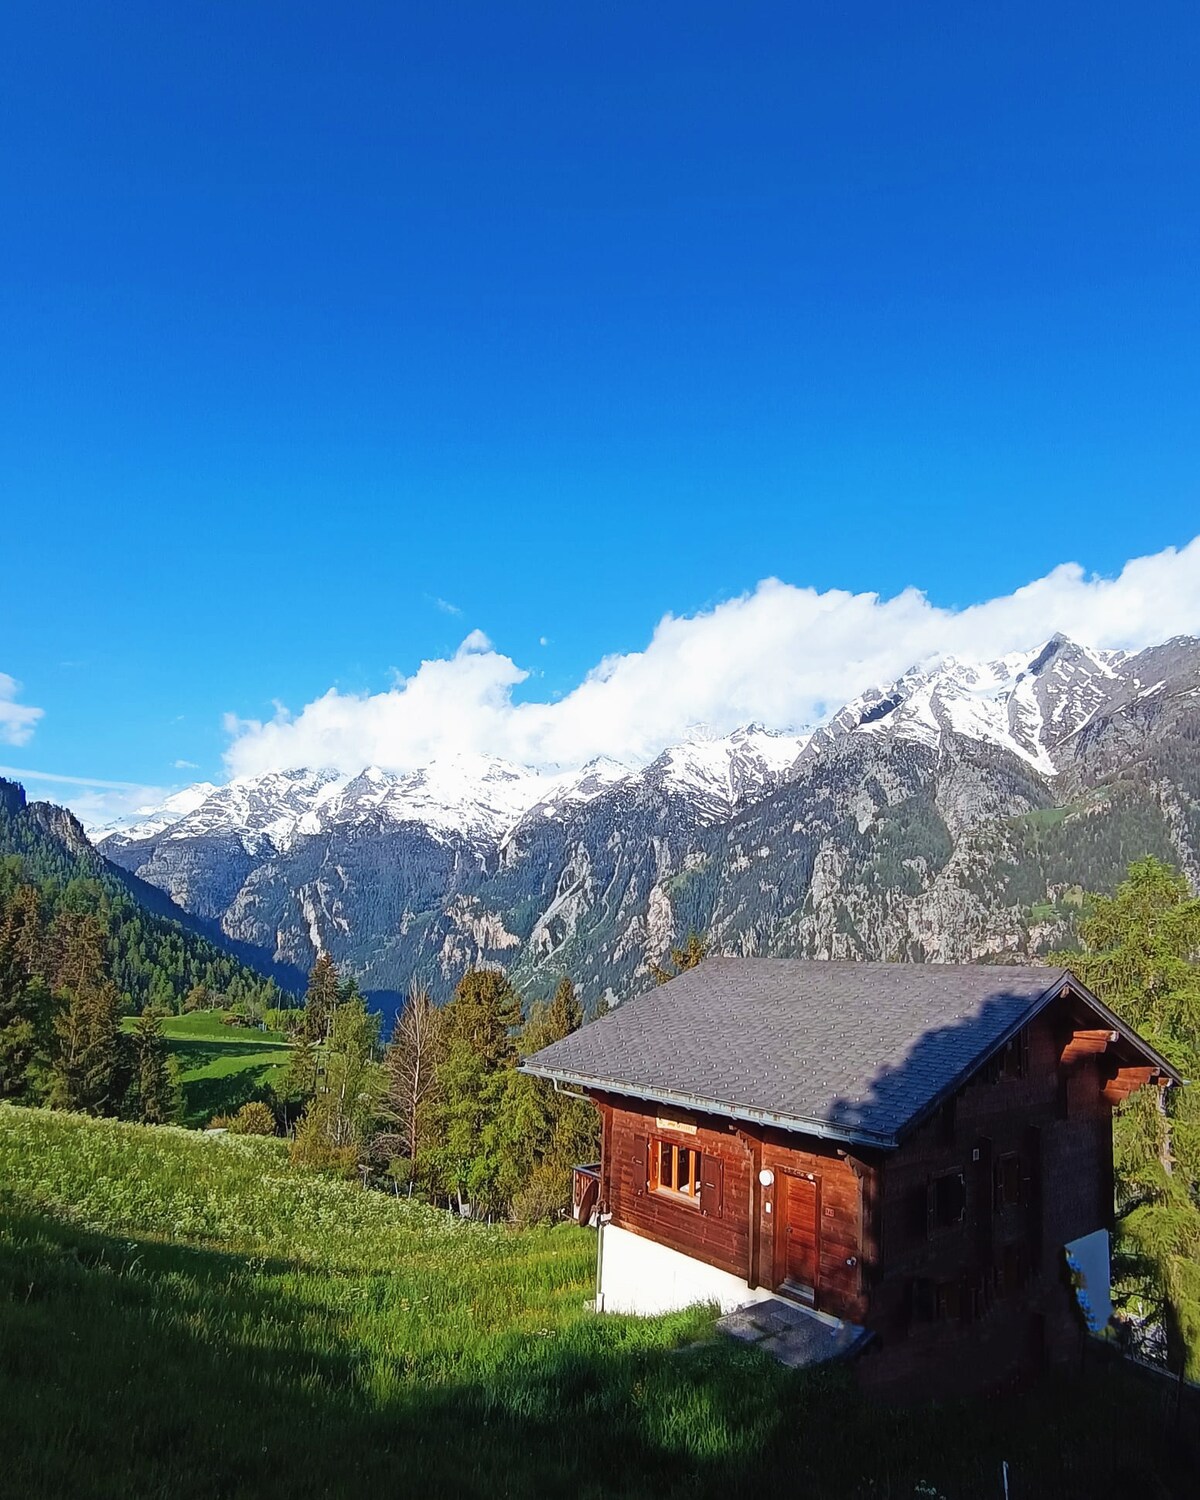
(93, 800)
(185, 765)
(17, 720)
(782, 654)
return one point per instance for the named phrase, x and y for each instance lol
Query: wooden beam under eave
(1085, 1044)
(1126, 1081)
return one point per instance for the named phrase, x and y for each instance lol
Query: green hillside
(156, 951)
(220, 1066)
(188, 1315)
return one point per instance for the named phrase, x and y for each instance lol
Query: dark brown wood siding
(949, 1247)
(979, 1301)
(740, 1231)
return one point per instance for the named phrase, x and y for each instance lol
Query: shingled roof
(859, 1052)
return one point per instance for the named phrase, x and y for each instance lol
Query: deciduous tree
(411, 1060)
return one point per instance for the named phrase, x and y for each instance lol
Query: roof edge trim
(795, 1124)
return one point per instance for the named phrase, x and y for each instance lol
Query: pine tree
(340, 1120)
(320, 999)
(300, 1076)
(566, 1013)
(198, 998)
(547, 1133)
(25, 929)
(1142, 946)
(25, 1006)
(155, 1092)
(89, 1070)
(693, 952)
(484, 1013)
(473, 1160)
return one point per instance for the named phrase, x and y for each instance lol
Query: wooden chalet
(904, 1150)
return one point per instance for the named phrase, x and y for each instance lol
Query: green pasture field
(190, 1316)
(220, 1066)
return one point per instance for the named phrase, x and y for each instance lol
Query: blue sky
(316, 320)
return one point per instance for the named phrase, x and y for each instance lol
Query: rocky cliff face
(953, 815)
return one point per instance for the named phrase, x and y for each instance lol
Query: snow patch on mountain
(476, 796)
(149, 821)
(719, 775)
(1026, 703)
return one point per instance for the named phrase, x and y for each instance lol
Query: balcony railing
(585, 1193)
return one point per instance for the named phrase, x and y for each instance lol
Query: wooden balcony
(585, 1193)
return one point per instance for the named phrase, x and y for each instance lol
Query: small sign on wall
(674, 1120)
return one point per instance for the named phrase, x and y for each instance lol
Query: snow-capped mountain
(1027, 703)
(574, 789)
(475, 797)
(719, 775)
(155, 818)
(260, 811)
(898, 828)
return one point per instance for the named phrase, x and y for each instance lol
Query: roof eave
(1127, 1031)
(794, 1124)
(1065, 981)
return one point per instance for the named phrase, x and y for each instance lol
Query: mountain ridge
(474, 860)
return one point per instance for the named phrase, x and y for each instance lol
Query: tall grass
(190, 1316)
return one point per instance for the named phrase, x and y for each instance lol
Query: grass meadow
(189, 1316)
(220, 1066)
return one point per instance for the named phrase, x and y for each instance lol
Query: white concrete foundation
(641, 1276)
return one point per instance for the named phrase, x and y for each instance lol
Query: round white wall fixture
(766, 1177)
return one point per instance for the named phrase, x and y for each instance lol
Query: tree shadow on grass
(205, 1097)
(137, 1368)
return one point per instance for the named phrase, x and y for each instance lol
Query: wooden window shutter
(984, 1189)
(712, 1186)
(641, 1165)
(920, 1210)
(1031, 1187)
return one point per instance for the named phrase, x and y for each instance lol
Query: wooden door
(801, 1230)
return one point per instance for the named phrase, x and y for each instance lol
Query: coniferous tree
(89, 1070)
(484, 1014)
(155, 1090)
(472, 1160)
(199, 997)
(24, 927)
(25, 1004)
(1142, 947)
(25, 1010)
(693, 952)
(565, 1013)
(550, 1133)
(299, 1081)
(340, 1119)
(320, 999)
